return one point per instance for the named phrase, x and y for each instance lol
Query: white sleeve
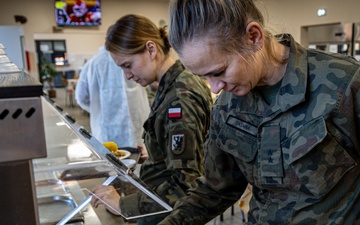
(82, 95)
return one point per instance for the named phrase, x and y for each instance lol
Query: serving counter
(49, 163)
(75, 163)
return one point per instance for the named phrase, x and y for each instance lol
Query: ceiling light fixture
(321, 12)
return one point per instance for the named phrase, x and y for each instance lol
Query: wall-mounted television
(78, 12)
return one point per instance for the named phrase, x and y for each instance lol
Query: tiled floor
(82, 118)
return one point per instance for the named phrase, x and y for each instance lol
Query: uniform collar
(293, 86)
(167, 79)
(294, 82)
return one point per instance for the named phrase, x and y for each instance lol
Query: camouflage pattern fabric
(174, 140)
(301, 154)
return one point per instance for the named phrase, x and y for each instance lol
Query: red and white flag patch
(174, 113)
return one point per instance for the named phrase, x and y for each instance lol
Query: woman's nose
(128, 75)
(215, 85)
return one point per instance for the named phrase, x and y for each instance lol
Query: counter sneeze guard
(75, 156)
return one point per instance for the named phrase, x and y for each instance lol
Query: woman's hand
(144, 154)
(108, 196)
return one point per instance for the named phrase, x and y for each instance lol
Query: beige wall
(81, 42)
(290, 15)
(282, 15)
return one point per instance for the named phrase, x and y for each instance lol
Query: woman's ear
(254, 35)
(151, 48)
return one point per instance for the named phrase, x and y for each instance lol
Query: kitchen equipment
(22, 139)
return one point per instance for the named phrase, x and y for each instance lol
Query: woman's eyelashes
(218, 74)
(126, 66)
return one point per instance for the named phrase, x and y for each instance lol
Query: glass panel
(59, 46)
(46, 46)
(75, 164)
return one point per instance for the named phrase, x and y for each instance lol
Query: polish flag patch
(174, 113)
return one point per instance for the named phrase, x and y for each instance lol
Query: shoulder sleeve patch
(182, 144)
(174, 113)
(178, 143)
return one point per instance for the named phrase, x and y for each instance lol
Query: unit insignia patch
(178, 143)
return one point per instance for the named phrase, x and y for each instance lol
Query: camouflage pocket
(170, 192)
(157, 154)
(237, 143)
(316, 158)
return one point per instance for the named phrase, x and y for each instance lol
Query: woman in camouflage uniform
(178, 121)
(287, 120)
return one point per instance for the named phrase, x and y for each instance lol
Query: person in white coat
(118, 107)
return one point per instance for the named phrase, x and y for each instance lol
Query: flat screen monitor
(78, 12)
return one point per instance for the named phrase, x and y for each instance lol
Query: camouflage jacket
(174, 137)
(301, 153)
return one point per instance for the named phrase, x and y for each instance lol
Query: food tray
(53, 208)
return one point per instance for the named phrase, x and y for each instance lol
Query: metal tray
(53, 208)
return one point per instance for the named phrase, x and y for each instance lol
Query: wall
(81, 42)
(282, 15)
(291, 15)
